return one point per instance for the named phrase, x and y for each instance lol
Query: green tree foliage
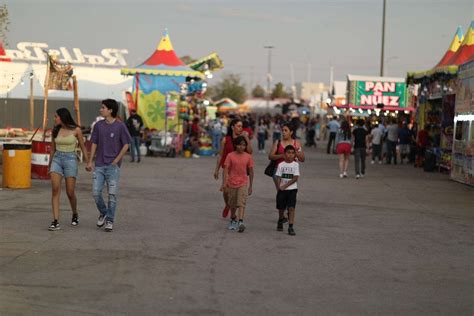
(258, 92)
(230, 87)
(279, 91)
(4, 22)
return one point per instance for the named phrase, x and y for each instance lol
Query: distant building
(309, 90)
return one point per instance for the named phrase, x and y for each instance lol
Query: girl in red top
(235, 129)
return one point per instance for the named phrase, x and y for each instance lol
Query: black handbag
(270, 169)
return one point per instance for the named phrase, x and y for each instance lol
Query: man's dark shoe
(291, 231)
(280, 225)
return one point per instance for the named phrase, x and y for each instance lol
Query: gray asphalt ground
(398, 242)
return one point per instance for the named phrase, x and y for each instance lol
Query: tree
(279, 91)
(230, 87)
(258, 92)
(4, 22)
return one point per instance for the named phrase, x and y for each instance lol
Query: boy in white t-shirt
(287, 174)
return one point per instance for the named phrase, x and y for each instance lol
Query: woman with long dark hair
(234, 130)
(343, 147)
(278, 149)
(63, 162)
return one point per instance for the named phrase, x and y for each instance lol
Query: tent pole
(32, 103)
(76, 101)
(45, 105)
(137, 87)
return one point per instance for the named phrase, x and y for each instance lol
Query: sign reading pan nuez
(370, 91)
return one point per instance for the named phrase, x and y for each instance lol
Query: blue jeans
(135, 145)
(261, 141)
(109, 175)
(216, 141)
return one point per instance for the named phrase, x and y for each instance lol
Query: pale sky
(311, 35)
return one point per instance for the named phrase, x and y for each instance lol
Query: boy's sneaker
(357, 176)
(241, 227)
(109, 226)
(101, 220)
(291, 231)
(280, 225)
(344, 174)
(232, 225)
(75, 220)
(54, 225)
(372, 162)
(341, 176)
(225, 211)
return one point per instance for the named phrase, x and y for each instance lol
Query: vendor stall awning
(164, 62)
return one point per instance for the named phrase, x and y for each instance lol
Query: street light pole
(383, 39)
(269, 74)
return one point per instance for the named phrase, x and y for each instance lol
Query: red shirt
(238, 164)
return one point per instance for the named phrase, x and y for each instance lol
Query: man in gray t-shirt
(392, 140)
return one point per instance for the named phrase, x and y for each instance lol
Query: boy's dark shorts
(286, 199)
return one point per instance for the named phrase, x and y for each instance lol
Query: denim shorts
(64, 164)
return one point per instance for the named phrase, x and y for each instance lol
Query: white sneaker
(196, 156)
(380, 162)
(344, 174)
(372, 162)
(109, 226)
(101, 220)
(341, 176)
(357, 176)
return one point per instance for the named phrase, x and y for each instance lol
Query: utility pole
(269, 74)
(293, 88)
(331, 79)
(383, 39)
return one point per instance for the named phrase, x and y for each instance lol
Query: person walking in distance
(238, 180)
(287, 175)
(234, 130)
(333, 127)
(110, 141)
(360, 148)
(63, 163)
(392, 140)
(376, 135)
(261, 135)
(343, 148)
(135, 124)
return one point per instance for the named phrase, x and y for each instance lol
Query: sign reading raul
(35, 52)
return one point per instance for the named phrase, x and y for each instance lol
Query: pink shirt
(237, 164)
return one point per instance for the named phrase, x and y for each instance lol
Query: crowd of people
(388, 142)
(232, 144)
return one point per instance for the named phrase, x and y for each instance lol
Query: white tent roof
(93, 83)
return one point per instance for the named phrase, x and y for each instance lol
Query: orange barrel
(40, 160)
(16, 166)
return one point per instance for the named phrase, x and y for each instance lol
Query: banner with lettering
(371, 93)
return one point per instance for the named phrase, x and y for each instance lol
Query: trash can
(40, 160)
(16, 166)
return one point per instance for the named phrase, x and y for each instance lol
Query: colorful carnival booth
(162, 82)
(435, 96)
(463, 147)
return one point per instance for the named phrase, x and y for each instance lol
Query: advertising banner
(371, 93)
